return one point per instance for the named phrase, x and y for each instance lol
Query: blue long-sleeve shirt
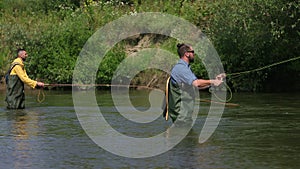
(182, 73)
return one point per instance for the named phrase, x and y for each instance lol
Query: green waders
(181, 101)
(15, 96)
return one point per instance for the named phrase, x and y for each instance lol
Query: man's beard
(191, 60)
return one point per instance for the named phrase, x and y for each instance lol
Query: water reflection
(24, 125)
(182, 155)
(190, 154)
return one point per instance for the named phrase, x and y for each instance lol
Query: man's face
(23, 55)
(191, 55)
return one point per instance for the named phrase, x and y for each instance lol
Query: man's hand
(219, 79)
(221, 76)
(216, 82)
(40, 84)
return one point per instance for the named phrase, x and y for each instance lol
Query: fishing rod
(226, 100)
(95, 85)
(41, 95)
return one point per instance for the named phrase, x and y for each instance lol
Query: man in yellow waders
(181, 87)
(15, 79)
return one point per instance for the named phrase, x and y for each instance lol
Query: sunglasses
(191, 51)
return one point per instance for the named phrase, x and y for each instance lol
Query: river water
(262, 132)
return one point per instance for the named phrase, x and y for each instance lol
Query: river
(262, 132)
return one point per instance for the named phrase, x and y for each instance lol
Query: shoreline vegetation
(246, 35)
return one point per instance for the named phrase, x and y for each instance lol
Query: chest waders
(15, 96)
(181, 100)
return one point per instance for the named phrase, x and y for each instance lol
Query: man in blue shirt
(182, 83)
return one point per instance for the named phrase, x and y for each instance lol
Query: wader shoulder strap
(9, 70)
(167, 100)
(12, 66)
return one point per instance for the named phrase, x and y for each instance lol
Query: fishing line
(237, 74)
(226, 100)
(262, 68)
(41, 96)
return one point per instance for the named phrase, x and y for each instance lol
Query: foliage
(253, 34)
(109, 64)
(246, 34)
